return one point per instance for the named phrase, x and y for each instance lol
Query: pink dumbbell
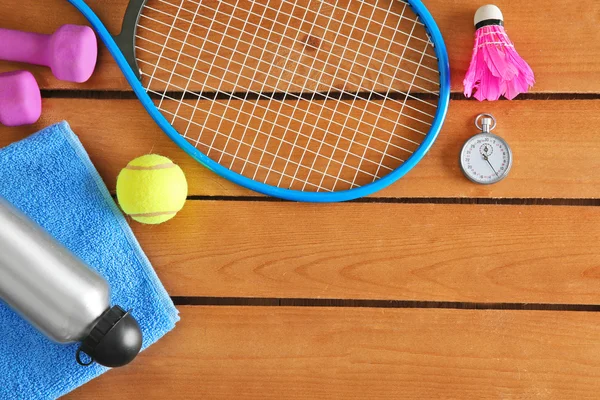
(20, 99)
(70, 52)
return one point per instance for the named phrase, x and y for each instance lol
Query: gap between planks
(130, 95)
(366, 303)
(582, 202)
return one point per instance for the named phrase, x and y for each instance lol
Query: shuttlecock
(496, 69)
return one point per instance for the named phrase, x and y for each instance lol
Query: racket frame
(295, 195)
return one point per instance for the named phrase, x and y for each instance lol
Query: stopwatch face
(486, 158)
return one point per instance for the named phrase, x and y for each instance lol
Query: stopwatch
(486, 158)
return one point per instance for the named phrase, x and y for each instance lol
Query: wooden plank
(522, 254)
(322, 353)
(554, 147)
(546, 43)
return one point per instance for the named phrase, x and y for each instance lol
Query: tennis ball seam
(150, 168)
(153, 214)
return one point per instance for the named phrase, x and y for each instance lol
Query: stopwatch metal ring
(485, 115)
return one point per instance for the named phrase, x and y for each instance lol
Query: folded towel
(50, 178)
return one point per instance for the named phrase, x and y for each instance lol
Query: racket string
(176, 39)
(294, 95)
(185, 90)
(311, 135)
(233, 95)
(269, 153)
(262, 120)
(294, 17)
(269, 132)
(235, 84)
(387, 94)
(405, 98)
(162, 94)
(303, 122)
(235, 17)
(165, 47)
(364, 33)
(301, 134)
(299, 53)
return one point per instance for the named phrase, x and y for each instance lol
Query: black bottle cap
(114, 341)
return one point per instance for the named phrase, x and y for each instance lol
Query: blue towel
(50, 177)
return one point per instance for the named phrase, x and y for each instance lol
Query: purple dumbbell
(70, 52)
(20, 99)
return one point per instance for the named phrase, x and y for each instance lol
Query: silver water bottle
(60, 295)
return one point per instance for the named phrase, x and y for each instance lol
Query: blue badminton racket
(308, 100)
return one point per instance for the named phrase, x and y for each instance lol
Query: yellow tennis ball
(151, 189)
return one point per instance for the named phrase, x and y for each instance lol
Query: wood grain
(300, 353)
(554, 145)
(543, 31)
(521, 254)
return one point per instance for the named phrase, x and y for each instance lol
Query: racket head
(132, 76)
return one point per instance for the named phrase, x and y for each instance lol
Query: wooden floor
(433, 288)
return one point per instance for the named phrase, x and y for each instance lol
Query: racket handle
(70, 52)
(20, 99)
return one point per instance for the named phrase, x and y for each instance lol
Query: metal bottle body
(44, 282)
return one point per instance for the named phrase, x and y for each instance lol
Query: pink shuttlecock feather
(496, 68)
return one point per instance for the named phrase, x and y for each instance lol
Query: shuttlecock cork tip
(488, 12)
